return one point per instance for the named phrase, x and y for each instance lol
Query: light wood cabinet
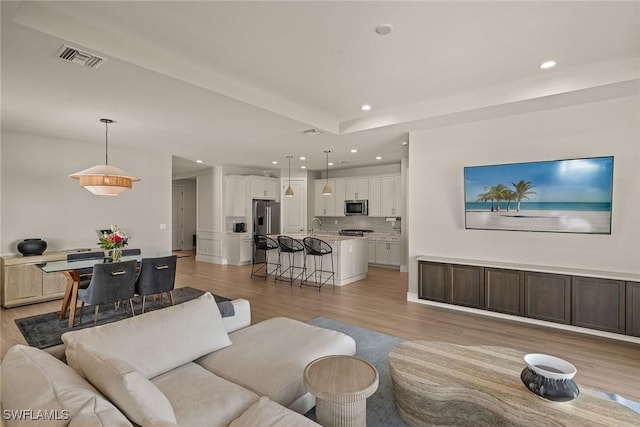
(23, 282)
(236, 197)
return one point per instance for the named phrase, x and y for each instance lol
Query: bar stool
(318, 249)
(289, 245)
(266, 244)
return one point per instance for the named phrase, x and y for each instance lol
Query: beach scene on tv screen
(564, 196)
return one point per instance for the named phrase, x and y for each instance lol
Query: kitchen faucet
(315, 218)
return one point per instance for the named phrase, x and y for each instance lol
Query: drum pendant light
(327, 191)
(289, 192)
(105, 180)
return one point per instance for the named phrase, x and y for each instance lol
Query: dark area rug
(374, 347)
(45, 330)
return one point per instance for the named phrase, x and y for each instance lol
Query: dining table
(76, 270)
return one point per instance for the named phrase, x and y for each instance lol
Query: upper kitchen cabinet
(263, 187)
(390, 195)
(375, 201)
(325, 205)
(356, 188)
(236, 197)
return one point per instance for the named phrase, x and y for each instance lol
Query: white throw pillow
(158, 341)
(136, 396)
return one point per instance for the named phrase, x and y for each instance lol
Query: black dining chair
(84, 273)
(157, 276)
(110, 283)
(131, 252)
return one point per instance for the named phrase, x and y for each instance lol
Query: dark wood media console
(589, 299)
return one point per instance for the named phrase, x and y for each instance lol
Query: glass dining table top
(64, 265)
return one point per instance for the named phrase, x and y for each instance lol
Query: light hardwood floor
(379, 303)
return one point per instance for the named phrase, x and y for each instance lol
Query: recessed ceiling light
(303, 167)
(330, 163)
(378, 158)
(404, 143)
(547, 64)
(303, 158)
(384, 29)
(354, 151)
(198, 161)
(365, 107)
(275, 162)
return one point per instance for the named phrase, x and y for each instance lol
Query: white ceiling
(235, 83)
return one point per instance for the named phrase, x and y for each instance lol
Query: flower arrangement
(114, 241)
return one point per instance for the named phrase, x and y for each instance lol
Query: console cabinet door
(22, 281)
(432, 281)
(466, 285)
(598, 304)
(504, 291)
(547, 297)
(633, 309)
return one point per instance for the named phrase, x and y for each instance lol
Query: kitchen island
(349, 258)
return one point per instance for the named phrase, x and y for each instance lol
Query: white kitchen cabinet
(324, 205)
(357, 188)
(371, 251)
(390, 195)
(375, 201)
(339, 197)
(388, 250)
(236, 198)
(264, 188)
(239, 248)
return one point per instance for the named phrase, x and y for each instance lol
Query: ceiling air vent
(73, 55)
(312, 131)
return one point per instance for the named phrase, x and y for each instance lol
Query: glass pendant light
(327, 191)
(289, 192)
(105, 180)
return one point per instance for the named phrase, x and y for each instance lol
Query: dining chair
(131, 252)
(110, 283)
(157, 276)
(84, 273)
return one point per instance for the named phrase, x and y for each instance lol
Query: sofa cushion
(133, 394)
(34, 380)
(201, 398)
(157, 341)
(269, 357)
(267, 413)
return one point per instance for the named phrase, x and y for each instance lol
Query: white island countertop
(326, 237)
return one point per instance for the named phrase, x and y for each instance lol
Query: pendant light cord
(106, 142)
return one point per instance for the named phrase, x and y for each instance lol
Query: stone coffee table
(341, 385)
(437, 383)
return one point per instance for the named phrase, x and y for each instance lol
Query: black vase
(31, 247)
(550, 389)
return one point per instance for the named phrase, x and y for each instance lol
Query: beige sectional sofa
(176, 366)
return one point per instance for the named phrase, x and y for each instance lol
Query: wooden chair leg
(133, 313)
(95, 319)
(170, 297)
(81, 307)
(144, 298)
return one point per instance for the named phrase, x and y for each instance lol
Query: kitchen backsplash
(379, 225)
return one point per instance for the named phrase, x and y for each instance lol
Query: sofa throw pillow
(137, 397)
(158, 341)
(35, 381)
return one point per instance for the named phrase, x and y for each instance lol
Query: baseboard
(412, 297)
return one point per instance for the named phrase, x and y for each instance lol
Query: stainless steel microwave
(356, 207)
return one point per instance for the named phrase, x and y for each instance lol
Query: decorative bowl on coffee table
(549, 377)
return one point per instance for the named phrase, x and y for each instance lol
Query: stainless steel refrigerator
(266, 220)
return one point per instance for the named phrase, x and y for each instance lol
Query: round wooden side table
(341, 385)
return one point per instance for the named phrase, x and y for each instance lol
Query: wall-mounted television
(562, 196)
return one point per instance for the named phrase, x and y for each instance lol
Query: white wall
(40, 200)
(435, 185)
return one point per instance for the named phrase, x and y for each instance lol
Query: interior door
(177, 217)
(294, 209)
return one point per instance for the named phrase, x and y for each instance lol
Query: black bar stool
(289, 245)
(266, 244)
(318, 249)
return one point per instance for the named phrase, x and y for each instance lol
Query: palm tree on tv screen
(523, 189)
